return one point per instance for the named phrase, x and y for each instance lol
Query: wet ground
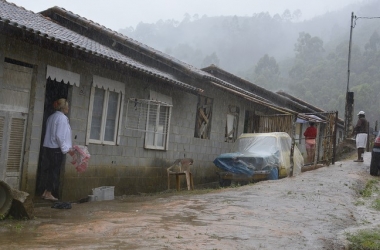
(309, 211)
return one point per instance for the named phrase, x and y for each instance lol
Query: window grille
(151, 117)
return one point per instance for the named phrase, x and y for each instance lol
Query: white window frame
(140, 114)
(161, 101)
(108, 86)
(156, 134)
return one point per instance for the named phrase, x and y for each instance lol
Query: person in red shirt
(310, 135)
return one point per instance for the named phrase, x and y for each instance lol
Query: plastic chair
(178, 168)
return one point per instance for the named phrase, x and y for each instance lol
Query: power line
(349, 95)
(367, 17)
(364, 17)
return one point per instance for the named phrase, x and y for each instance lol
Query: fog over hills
(308, 59)
(239, 42)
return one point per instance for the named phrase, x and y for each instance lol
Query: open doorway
(54, 90)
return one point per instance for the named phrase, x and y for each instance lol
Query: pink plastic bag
(80, 157)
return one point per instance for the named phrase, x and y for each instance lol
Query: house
(331, 126)
(42, 61)
(135, 108)
(340, 122)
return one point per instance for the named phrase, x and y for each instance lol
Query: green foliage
(323, 80)
(309, 49)
(308, 59)
(370, 187)
(376, 204)
(267, 73)
(364, 240)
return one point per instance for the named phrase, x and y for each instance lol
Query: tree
(287, 16)
(267, 73)
(267, 65)
(373, 43)
(297, 15)
(298, 71)
(186, 18)
(309, 49)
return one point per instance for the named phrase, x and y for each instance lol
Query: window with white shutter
(12, 135)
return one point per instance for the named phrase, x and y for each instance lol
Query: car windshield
(255, 144)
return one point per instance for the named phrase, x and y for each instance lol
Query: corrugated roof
(127, 41)
(164, 58)
(306, 107)
(37, 23)
(272, 97)
(19, 17)
(151, 52)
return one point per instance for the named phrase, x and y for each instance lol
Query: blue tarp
(261, 153)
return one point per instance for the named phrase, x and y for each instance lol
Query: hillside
(308, 59)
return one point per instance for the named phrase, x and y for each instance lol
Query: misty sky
(118, 14)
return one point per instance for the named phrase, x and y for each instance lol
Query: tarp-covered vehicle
(259, 156)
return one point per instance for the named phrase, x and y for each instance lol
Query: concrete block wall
(21, 52)
(127, 166)
(35, 142)
(132, 169)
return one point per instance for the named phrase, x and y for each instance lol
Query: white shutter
(14, 107)
(15, 145)
(12, 134)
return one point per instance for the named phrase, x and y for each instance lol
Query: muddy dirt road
(310, 211)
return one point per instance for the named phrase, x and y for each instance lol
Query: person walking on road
(361, 132)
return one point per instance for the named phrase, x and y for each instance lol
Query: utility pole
(349, 95)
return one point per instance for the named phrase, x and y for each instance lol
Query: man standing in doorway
(361, 132)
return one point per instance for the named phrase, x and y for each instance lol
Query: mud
(309, 211)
